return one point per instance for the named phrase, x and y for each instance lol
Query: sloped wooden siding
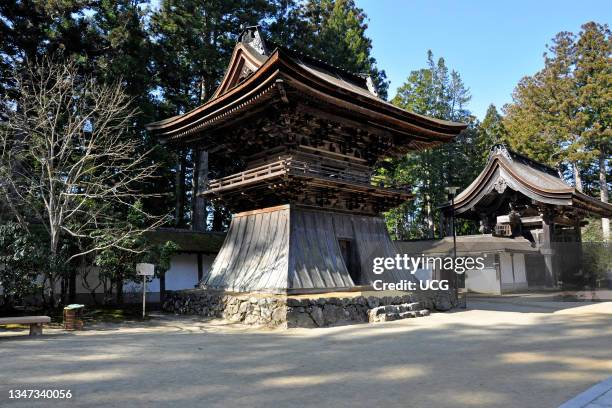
(296, 248)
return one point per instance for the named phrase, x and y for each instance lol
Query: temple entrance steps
(396, 312)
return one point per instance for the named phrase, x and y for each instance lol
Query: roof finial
(500, 149)
(371, 86)
(252, 36)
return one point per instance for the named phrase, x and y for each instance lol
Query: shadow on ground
(490, 355)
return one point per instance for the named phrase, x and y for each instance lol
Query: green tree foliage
(123, 33)
(118, 263)
(436, 92)
(22, 256)
(334, 31)
(31, 29)
(193, 41)
(491, 131)
(561, 115)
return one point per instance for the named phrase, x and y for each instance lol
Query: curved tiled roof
(252, 77)
(535, 180)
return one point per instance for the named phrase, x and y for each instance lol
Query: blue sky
(492, 44)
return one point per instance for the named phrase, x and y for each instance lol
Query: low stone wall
(295, 311)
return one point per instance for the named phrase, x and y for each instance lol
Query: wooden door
(349, 256)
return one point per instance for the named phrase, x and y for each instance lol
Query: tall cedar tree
(436, 92)
(31, 29)
(193, 41)
(333, 31)
(562, 114)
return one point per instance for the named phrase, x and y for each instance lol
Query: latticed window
(503, 230)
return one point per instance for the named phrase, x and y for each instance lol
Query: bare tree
(69, 161)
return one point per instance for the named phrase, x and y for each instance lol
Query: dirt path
(500, 353)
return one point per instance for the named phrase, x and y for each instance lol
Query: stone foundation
(306, 310)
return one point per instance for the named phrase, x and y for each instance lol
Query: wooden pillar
(578, 244)
(179, 188)
(548, 228)
(200, 184)
(443, 230)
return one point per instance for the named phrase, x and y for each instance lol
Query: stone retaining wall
(296, 311)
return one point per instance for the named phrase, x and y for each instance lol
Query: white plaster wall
(520, 273)
(424, 274)
(483, 281)
(507, 277)
(183, 274)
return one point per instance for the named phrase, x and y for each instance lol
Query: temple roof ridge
(501, 149)
(507, 168)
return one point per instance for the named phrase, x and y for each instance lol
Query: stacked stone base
(396, 312)
(304, 311)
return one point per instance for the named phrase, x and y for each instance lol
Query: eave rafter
(279, 75)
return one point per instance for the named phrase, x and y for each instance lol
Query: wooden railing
(293, 166)
(260, 172)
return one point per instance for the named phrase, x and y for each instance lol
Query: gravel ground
(501, 352)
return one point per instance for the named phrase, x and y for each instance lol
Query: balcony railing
(291, 166)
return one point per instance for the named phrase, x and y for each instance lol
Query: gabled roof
(257, 74)
(466, 244)
(509, 169)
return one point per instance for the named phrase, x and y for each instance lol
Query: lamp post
(452, 191)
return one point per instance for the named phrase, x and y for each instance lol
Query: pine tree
(436, 92)
(491, 131)
(29, 30)
(192, 44)
(593, 76)
(332, 30)
(562, 114)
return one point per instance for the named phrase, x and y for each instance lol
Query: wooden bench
(35, 322)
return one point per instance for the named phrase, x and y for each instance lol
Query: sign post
(144, 270)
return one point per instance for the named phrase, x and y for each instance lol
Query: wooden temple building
(300, 139)
(521, 203)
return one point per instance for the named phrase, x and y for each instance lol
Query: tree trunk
(119, 292)
(217, 223)
(430, 220)
(200, 183)
(577, 177)
(179, 213)
(603, 192)
(53, 263)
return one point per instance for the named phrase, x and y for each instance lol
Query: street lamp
(452, 192)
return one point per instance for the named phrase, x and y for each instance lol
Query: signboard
(145, 269)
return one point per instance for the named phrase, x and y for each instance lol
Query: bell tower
(300, 139)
